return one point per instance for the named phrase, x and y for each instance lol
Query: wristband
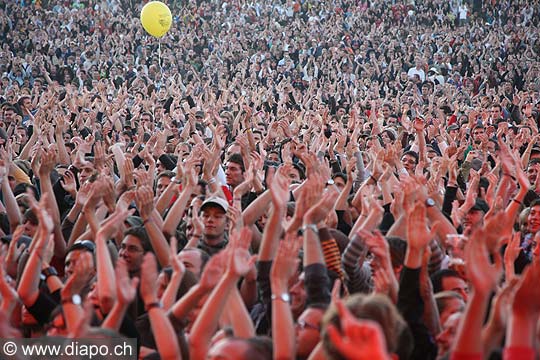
(517, 201)
(75, 300)
(283, 297)
(311, 227)
(212, 181)
(152, 305)
(50, 271)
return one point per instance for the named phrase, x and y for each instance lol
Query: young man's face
(532, 172)
(85, 173)
(478, 133)
(495, 112)
(191, 258)
(457, 284)
(9, 115)
(162, 184)
(132, 252)
(214, 221)
(71, 261)
(534, 219)
(27, 103)
(473, 219)
(21, 133)
(234, 174)
(409, 163)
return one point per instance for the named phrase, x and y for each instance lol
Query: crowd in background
(273, 179)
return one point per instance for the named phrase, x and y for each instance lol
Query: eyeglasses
(130, 248)
(305, 325)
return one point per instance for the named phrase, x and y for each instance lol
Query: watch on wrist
(285, 297)
(430, 202)
(312, 227)
(50, 271)
(330, 182)
(75, 300)
(152, 305)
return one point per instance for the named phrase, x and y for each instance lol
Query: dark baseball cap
(480, 205)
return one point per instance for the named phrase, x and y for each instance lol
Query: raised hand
(68, 183)
(418, 233)
(510, 255)
(48, 161)
(3, 170)
(240, 261)
(15, 250)
(235, 219)
(99, 156)
(144, 178)
(213, 270)
(527, 298)
(149, 275)
(244, 187)
(126, 288)
(279, 187)
(144, 197)
(109, 194)
(483, 275)
(129, 181)
(286, 261)
(46, 223)
(358, 339)
(110, 226)
(177, 266)
(84, 271)
(321, 209)
(125, 200)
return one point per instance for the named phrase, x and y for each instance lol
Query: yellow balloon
(156, 18)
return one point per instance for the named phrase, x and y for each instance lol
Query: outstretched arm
(167, 344)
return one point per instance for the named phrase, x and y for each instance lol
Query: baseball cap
(22, 240)
(215, 201)
(481, 205)
(86, 245)
(453, 127)
(430, 148)
(134, 221)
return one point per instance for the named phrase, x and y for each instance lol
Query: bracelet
(152, 305)
(311, 227)
(509, 175)
(237, 199)
(373, 178)
(211, 181)
(516, 200)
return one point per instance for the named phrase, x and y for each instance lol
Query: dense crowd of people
(275, 179)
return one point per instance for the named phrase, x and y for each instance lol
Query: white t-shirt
(414, 71)
(463, 12)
